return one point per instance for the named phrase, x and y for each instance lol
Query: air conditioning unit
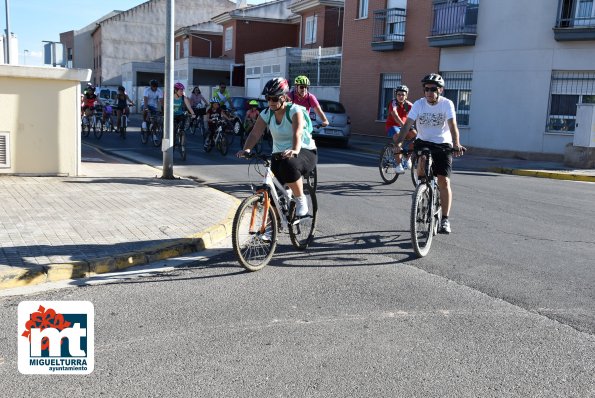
(584, 131)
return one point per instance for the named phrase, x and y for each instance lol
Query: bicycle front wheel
(155, 135)
(254, 245)
(98, 129)
(223, 145)
(302, 229)
(183, 145)
(387, 164)
(86, 128)
(422, 220)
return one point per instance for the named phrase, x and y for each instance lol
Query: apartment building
(520, 80)
(384, 45)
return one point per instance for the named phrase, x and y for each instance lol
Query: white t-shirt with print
(431, 120)
(153, 97)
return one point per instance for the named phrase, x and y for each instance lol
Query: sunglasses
(272, 98)
(432, 89)
(302, 87)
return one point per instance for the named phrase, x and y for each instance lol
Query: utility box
(584, 131)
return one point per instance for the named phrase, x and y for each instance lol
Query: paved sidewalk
(118, 215)
(495, 164)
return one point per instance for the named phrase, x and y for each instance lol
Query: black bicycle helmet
(433, 78)
(276, 87)
(153, 82)
(403, 88)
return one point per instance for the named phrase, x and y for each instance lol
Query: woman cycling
(181, 103)
(122, 101)
(294, 150)
(300, 95)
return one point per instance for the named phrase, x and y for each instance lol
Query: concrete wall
(138, 34)
(512, 63)
(41, 113)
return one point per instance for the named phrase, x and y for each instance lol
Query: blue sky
(35, 20)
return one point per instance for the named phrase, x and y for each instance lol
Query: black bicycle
(180, 135)
(426, 210)
(387, 163)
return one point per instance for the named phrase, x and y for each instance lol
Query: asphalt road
(504, 306)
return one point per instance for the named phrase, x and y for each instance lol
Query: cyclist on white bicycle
(294, 150)
(436, 129)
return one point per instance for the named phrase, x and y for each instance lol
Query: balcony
(575, 21)
(389, 29)
(454, 23)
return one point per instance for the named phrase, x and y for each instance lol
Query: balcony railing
(574, 21)
(389, 29)
(454, 24)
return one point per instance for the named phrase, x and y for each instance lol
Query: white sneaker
(408, 164)
(399, 169)
(301, 206)
(144, 125)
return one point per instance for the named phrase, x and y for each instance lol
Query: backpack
(308, 127)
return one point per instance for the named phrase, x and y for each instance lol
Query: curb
(85, 269)
(13, 278)
(543, 174)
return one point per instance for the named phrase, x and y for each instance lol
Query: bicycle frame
(270, 188)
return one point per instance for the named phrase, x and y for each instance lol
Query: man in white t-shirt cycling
(436, 122)
(153, 100)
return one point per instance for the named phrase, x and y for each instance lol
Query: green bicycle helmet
(302, 81)
(253, 103)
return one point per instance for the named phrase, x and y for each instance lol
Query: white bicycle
(271, 209)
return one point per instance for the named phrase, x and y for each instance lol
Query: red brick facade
(362, 67)
(329, 29)
(252, 36)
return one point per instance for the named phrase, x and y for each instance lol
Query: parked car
(339, 128)
(241, 106)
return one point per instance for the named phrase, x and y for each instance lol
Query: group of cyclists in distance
(428, 122)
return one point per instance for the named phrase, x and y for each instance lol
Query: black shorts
(442, 165)
(292, 169)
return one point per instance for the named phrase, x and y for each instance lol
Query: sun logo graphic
(56, 337)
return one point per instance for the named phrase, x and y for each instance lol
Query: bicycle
(426, 210)
(98, 122)
(108, 125)
(123, 124)
(154, 129)
(267, 212)
(387, 163)
(180, 135)
(220, 140)
(198, 123)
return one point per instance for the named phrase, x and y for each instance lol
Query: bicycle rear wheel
(414, 176)
(422, 220)
(302, 229)
(387, 164)
(311, 179)
(253, 245)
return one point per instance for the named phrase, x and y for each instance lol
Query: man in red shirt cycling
(398, 109)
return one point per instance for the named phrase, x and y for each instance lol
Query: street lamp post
(167, 144)
(8, 34)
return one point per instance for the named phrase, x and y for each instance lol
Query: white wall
(512, 62)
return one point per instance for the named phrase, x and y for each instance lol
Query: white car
(339, 128)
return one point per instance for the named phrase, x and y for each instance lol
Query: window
(388, 82)
(186, 48)
(362, 10)
(177, 50)
(311, 23)
(585, 12)
(228, 38)
(458, 90)
(566, 90)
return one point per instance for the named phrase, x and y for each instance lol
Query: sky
(33, 21)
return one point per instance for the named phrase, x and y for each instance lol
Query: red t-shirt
(402, 111)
